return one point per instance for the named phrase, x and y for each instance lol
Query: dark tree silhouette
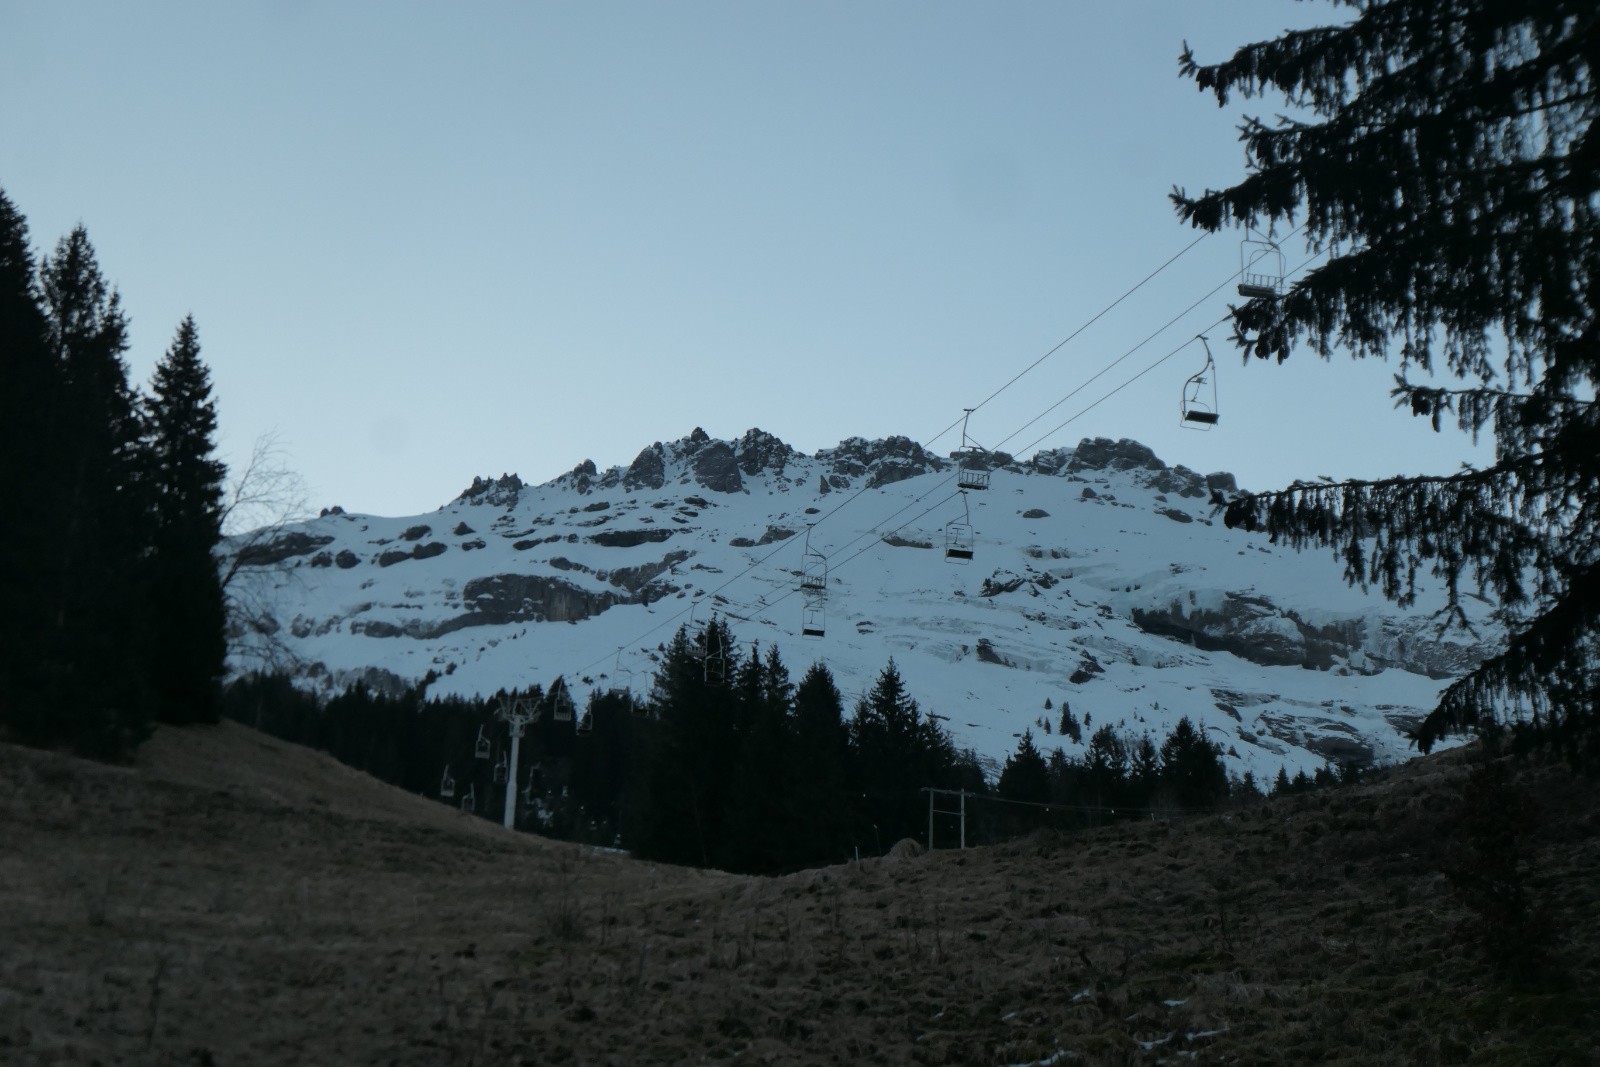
(1445, 156)
(187, 647)
(30, 455)
(95, 639)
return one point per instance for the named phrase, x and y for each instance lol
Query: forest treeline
(731, 763)
(111, 608)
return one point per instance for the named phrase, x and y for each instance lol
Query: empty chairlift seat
(1198, 405)
(1260, 268)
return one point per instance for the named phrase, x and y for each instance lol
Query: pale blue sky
(425, 241)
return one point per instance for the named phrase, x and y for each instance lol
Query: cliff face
(1100, 579)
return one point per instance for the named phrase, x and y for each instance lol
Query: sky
(426, 241)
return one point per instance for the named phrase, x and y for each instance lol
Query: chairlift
(716, 662)
(1198, 407)
(813, 567)
(958, 536)
(560, 702)
(470, 801)
(971, 473)
(622, 677)
(481, 748)
(1261, 267)
(500, 770)
(812, 620)
(447, 784)
(586, 722)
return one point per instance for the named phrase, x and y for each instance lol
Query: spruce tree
(1445, 156)
(94, 641)
(820, 761)
(1026, 775)
(31, 472)
(1191, 766)
(188, 614)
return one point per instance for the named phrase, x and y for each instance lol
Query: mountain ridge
(1109, 557)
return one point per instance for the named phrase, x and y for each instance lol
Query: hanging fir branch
(1445, 154)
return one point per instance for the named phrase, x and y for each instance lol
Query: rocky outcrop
(505, 598)
(647, 471)
(285, 546)
(634, 579)
(502, 492)
(629, 538)
(772, 533)
(882, 462)
(1256, 629)
(716, 468)
(1104, 454)
(760, 451)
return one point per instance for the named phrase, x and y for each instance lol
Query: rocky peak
(647, 471)
(758, 451)
(1104, 454)
(495, 492)
(884, 461)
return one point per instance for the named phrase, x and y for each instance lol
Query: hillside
(1099, 576)
(235, 900)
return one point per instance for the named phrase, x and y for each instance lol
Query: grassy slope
(236, 900)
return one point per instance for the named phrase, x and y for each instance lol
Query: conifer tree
(1026, 775)
(1192, 767)
(896, 752)
(188, 614)
(1445, 156)
(94, 642)
(31, 455)
(821, 751)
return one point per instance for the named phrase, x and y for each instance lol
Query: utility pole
(517, 715)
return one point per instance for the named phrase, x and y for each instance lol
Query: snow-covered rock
(1101, 578)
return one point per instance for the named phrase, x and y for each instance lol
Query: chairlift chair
(560, 704)
(586, 723)
(813, 568)
(470, 801)
(447, 784)
(622, 676)
(1260, 268)
(970, 470)
(958, 536)
(1198, 407)
(482, 747)
(812, 620)
(500, 769)
(716, 663)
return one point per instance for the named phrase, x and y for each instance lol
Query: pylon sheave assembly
(1197, 409)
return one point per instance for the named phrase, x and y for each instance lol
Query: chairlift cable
(1162, 329)
(1063, 343)
(764, 559)
(1150, 368)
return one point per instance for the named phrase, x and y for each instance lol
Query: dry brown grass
(237, 900)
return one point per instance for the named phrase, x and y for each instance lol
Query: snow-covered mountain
(1099, 577)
